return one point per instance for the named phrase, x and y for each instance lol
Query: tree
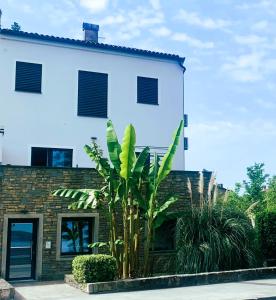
(15, 26)
(255, 186)
(270, 195)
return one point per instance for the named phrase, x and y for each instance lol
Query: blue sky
(230, 83)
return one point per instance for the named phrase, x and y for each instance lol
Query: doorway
(21, 249)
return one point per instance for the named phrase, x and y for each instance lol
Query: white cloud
(94, 6)
(155, 4)
(228, 129)
(196, 64)
(112, 20)
(245, 68)
(161, 31)
(191, 41)
(251, 39)
(252, 67)
(131, 23)
(261, 25)
(192, 18)
(267, 104)
(22, 7)
(267, 5)
(59, 13)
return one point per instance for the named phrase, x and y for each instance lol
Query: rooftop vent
(90, 32)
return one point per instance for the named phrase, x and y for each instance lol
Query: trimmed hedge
(94, 268)
(266, 225)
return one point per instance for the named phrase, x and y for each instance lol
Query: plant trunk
(131, 238)
(148, 242)
(126, 240)
(136, 241)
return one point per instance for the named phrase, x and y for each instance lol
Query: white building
(57, 93)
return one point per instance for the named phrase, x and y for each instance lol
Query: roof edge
(88, 44)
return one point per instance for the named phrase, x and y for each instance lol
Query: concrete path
(257, 289)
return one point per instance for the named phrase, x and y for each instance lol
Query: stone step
(7, 291)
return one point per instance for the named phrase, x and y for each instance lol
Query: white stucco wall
(50, 119)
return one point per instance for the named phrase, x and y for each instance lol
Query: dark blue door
(21, 252)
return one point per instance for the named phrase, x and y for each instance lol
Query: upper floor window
(147, 90)
(51, 157)
(92, 94)
(76, 236)
(28, 77)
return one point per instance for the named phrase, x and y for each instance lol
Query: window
(185, 119)
(28, 77)
(92, 94)
(76, 235)
(164, 236)
(147, 90)
(186, 143)
(51, 157)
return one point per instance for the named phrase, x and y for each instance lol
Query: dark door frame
(35, 223)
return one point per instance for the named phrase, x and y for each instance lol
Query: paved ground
(257, 289)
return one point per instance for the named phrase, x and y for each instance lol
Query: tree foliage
(15, 26)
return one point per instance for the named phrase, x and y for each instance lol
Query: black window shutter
(28, 77)
(147, 90)
(92, 94)
(186, 143)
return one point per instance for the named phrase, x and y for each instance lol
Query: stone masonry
(25, 190)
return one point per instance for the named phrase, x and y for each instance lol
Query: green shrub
(94, 268)
(214, 238)
(266, 226)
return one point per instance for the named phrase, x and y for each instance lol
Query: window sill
(70, 257)
(153, 104)
(94, 117)
(29, 92)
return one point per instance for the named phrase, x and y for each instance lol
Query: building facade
(35, 240)
(57, 94)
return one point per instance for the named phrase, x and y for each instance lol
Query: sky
(230, 50)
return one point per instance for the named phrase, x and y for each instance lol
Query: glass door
(21, 252)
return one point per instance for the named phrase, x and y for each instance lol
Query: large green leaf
(114, 148)
(127, 155)
(120, 192)
(102, 164)
(165, 206)
(163, 217)
(84, 198)
(139, 198)
(140, 163)
(166, 163)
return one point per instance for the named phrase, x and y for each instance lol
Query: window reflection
(76, 235)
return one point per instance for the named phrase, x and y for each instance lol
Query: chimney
(90, 32)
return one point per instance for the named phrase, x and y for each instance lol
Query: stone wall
(27, 190)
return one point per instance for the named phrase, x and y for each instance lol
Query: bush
(214, 238)
(266, 226)
(94, 268)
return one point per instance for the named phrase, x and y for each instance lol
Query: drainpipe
(181, 63)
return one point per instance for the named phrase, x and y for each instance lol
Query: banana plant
(126, 177)
(131, 169)
(122, 176)
(156, 213)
